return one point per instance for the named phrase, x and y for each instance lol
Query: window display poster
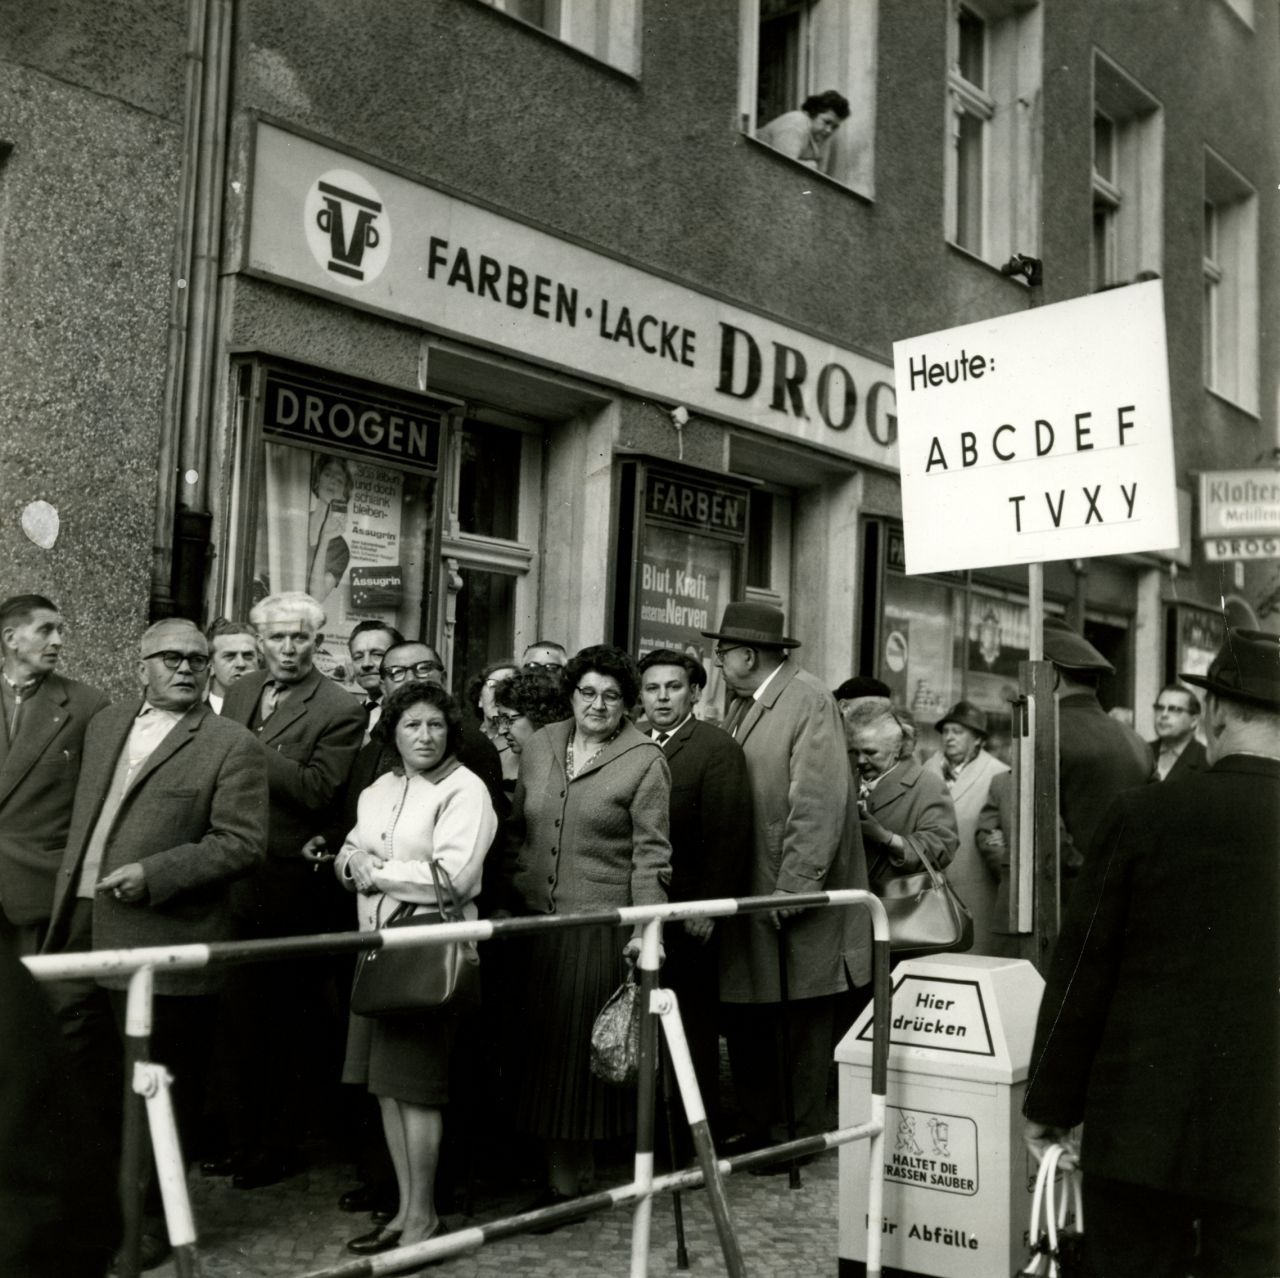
(683, 583)
(334, 527)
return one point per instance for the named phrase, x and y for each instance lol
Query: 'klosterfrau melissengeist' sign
(371, 238)
(1042, 435)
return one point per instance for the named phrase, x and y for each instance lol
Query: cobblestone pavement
(295, 1227)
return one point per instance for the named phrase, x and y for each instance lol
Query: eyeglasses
(530, 666)
(719, 654)
(196, 661)
(419, 670)
(1158, 708)
(608, 696)
(504, 720)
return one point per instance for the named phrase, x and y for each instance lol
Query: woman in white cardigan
(429, 808)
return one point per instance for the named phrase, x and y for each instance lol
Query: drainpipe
(191, 521)
(179, 290)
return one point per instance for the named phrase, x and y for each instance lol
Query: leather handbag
(926, 916)
(417, 978)
(1057, 1222)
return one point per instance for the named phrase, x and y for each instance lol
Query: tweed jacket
(1192, 759)
(311, 741)
(969, 872)
(710, 813)
(598, 841)
(37, 785)
(1098, 758)
(913, 802)
(805, 837)
(194, 817)
(1159, 1026)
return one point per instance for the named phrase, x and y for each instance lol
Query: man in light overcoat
(805, 838)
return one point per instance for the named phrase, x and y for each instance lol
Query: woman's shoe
(376, 1240)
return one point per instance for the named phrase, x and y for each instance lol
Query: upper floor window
(807, 82)
(993, 128)
(1230, 268)
(606, 29)
(1128, 131)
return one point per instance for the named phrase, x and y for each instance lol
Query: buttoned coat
(805, 837)
(37, 785)
(1159, 1025)
(1192, 759)
(969, 872)
(913, 802)
(599, 841)
(194, 818)
(710, 813)
(311, 741)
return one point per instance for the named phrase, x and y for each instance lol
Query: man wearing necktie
(368, 643)
(710, 831)
(278, 1012)
(805, 837)
(43, 716)
(170, 808)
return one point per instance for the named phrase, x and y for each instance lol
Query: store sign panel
(1255, 547)
(1041, 435)
(1236, 503)
(372, 238)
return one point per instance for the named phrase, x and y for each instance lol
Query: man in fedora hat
(1098, 756)
(968, 770)
(805, 838)
(1159, 1026)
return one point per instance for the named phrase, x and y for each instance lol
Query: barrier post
(133, 1145)
(152, 1082)
(646, 1099)
(666, 1006)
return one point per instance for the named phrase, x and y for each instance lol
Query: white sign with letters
(368, 237)
(1042, 435)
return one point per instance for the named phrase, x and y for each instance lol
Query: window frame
(562, 29)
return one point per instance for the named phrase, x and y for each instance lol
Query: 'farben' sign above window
(320, 413)
(371, 238)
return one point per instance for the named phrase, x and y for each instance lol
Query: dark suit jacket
(1159, 1026)
(37, 785)
(1098, 758)
(1192, 759)
(194, 817)
(710, 814)
(311, 742)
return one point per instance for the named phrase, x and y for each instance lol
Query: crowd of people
(244, 794)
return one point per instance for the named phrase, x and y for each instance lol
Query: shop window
(794, 49)
(760, 542)
(606, 29)
(993, 129)
(489, 481)
(1230, 267)
(484, 623)
(1128, 131)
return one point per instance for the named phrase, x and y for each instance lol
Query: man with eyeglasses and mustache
(1177, 711)
(170, 809)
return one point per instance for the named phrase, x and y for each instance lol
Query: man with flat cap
(805, 838)
(967, 770)
(1098, 756)
(1160, 1028)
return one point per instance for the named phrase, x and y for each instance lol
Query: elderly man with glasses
(170, 808)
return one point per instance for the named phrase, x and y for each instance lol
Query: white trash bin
(958, 1179)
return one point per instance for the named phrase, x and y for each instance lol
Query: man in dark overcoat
(710, 833)
(283, 1016)
(1159, 1028)
(805, 838)
(170, 809)
(1177, 752)
(43, 716)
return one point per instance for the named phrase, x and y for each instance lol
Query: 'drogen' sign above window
(374, 239)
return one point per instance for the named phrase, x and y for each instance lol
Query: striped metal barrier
(150, 1082)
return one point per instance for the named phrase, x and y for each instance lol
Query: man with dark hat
(1159, 1026)
(1098, 756)
(805, 838)
(968, 770)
